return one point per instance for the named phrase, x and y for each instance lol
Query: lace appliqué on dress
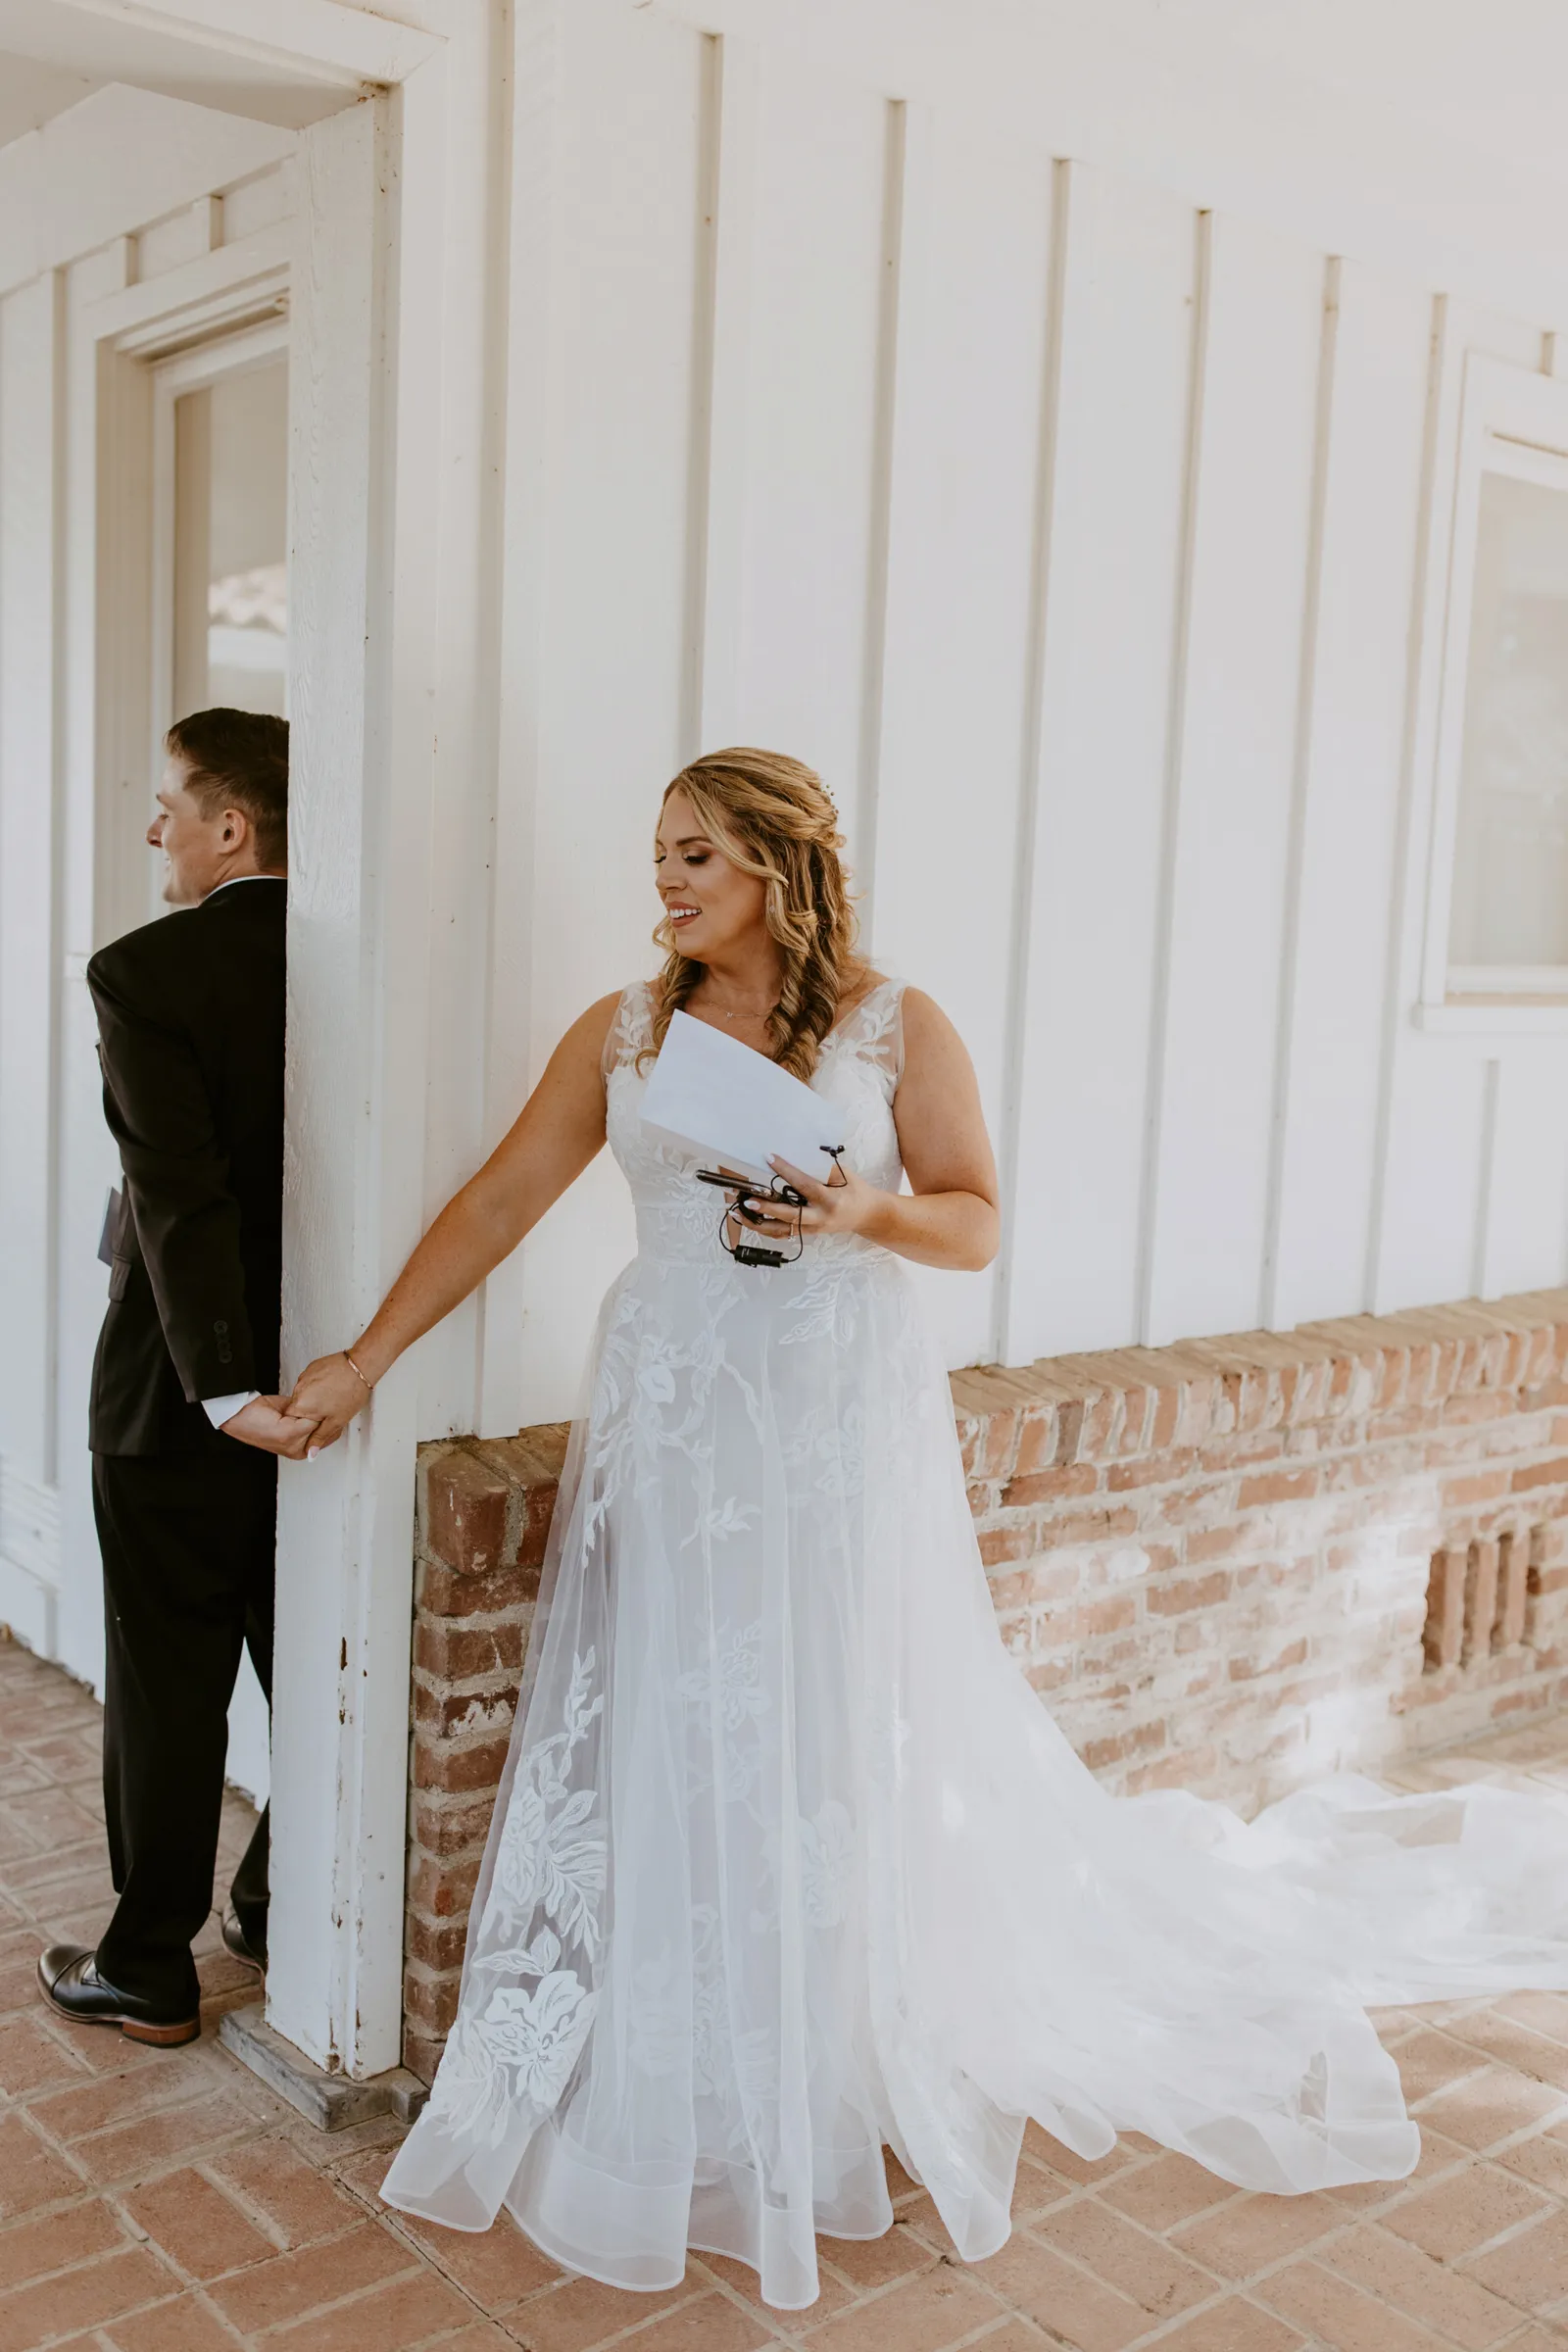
(544, 1907)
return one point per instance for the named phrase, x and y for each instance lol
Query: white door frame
(354, 1067)
(340, 1673)
(392, 266)
(393, 379)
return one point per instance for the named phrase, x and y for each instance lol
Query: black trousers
(188, 1544)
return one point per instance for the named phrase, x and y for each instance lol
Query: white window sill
(1494, 1016)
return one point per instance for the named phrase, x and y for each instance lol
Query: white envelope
(712, 1095)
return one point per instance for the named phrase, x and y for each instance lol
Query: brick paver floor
(165, 2202)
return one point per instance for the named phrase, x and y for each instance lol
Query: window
(191, 492)
(219, 619)
(1511, 867)
(1497, 930)
(230, 504)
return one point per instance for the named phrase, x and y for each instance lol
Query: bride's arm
(560, 1129)
(949, 1217)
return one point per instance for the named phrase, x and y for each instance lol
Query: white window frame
(225, 355)
(1512, 421)
(219, 311)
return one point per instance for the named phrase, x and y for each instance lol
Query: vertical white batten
(530, 440)
(1066, 296)
(450, 531)
(31, 827)
(903, 367)
(1300, 775)
(721, 387)
(1484, 1251)
(1428, 606)
(1170, 816)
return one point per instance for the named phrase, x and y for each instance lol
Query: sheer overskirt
(790, 1863)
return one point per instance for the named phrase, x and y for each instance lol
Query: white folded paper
(712, 1095)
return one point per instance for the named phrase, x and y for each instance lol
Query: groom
(184, 1443)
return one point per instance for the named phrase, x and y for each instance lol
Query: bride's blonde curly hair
(770, 817)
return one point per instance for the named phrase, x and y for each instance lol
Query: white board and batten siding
(1048, 442)
(72, 806)
(1088, 536)
(1084, 539)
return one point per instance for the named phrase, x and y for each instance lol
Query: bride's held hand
(846, 1204)
(329, 1393)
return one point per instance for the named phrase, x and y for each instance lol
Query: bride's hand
(329, 1392)
(846, 1205)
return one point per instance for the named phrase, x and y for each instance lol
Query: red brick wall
(481, 1516)
(1234, 1563)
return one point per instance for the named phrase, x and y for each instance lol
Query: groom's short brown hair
(239, 759)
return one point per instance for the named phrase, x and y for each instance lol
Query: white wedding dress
(790, 1861)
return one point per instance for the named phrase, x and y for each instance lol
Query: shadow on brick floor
(167, 2202)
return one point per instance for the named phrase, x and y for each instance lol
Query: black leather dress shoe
(244, 1948)
(69, 1979)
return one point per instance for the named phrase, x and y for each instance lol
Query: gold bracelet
(367, 1385)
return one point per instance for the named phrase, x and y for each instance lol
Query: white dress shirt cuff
(219, 1409)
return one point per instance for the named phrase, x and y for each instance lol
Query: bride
(789, 1862)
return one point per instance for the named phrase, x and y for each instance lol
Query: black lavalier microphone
(755, 1204)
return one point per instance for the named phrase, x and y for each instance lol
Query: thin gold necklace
(740, 1011)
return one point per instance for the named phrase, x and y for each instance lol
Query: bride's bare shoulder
(932, 1045)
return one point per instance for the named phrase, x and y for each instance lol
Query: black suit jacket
(190, 1029)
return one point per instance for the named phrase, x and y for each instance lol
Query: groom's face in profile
(198, 848)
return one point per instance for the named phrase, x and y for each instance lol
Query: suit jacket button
(220, 1329)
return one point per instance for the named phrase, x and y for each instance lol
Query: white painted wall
(1044, 421)
(1077, 532)
(1091, 542)
(70, 854)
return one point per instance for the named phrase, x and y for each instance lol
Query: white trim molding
(57, 202)
(215, 294)
(321, 40)
(343, 1613)
(1476, 1018)
(1512, 421)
